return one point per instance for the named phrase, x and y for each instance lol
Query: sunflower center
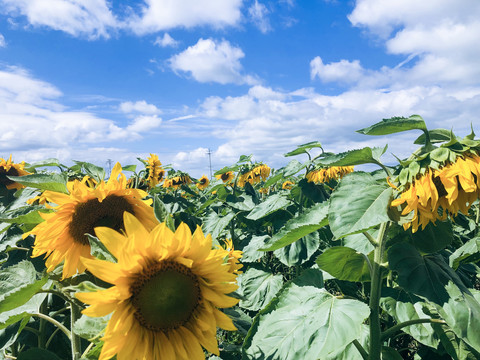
(439, 186)
(3, 175)
(165, 296)
(93, 213)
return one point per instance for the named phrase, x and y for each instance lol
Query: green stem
(477, 220)
(54, 322)
(75, 340)
(360, 349)
(41, 327)
(370, 238)
(51, 338)
(375, 292)
(390, 332)
(384, 168)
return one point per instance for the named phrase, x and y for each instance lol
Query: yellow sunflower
(452, 188)
(324, 175)
(155, 171)
(287, 185)
(257, 174)
(61, 237)
(166, 294)
(233, 256)
(177, 181)
(203, 182)
(9, 168)
(226, 177)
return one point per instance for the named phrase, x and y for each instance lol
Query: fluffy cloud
(140, 107)
(90, 18)
(160, 15)
(258, 15)
(165, 41)
(3, 43)
(342, 71)
(144, 123)
(210, 61)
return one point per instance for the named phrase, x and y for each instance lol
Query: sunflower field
(315, 260)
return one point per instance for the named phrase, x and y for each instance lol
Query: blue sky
(94, 80)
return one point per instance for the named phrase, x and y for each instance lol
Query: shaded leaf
(345, 264)
(299, 251)
(467, 253)
(273, 203)
(258, 287)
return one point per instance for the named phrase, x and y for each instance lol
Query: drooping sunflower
(287, 185)
(155, 171)
(452, 188)
(255, 175)
(226, 177)
(61, 237)
(203, 182)
(166, 294)
(324, 175)
(177, 181)
(9, 168)
(233, 256)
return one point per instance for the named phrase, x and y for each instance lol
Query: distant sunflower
(452, 188)
(9, 168)
(203, 182)
(233, 256)
(255, 175)
(61, 237)
(226, 177)
(324, 175)
(177, 181)
(167, 288)
(155, 171)
(287, 185)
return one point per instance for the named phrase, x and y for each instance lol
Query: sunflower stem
(360, 349)
(375, 292)
(75, 340)
(54, 322)
(390, 332)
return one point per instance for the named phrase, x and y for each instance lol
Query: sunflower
(452, 188)
(167, 288)
(177, 181)
(155, 171)
(233, 256)
(226, 177)
(203, 182)
(255, 175)
(287, 185)
(61, 237)
(9, 168)
(324, 175)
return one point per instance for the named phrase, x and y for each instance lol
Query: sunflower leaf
(273, 203)
(365, 155)
(395, 125)
(302, 149)
(345, 263)
(467, 253)
(258, 287)
(98, 250)
(52, 182)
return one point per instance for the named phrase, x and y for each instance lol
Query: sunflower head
(254, 175)
(177, 180)
(155, 171)
(203, 182)
(287, 185)
(167, 289)
(324, 175)
(226, 177)
(62, 236)
(9, 168)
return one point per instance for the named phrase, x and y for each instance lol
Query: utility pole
(109, 162)
(210, 161)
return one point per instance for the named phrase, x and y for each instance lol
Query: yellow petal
(113, 240)
(104, 270)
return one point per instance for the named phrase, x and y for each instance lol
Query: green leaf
(251, 251)
(243, 202)
(453, 345)
(292, 168)
(240, 319)
(425, 276)
(365, 155)
(159, 209)
(436, 136)
(303, 149)
(131, 168)
(359, 203)
(37, 354)
(226, 169)
(434, 237)
(258, 287)
(467, 253)
(300, 251)
(395, 125)
(305, 323)
(99, 250)
(462, 314)
(94, 171)
(273, 179)
(273, 203)
(214, 224)
(52, 182)
(88, 327)
(22, 311)
(311, 220)
(359, 242)
(44, 163)
(345, 264)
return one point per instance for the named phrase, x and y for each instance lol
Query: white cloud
(258, 15)
(139, 107)
(3, 43)
(160, 15)
(342, 71)
(210, 61)
(90, 18)
(144, 123)
(165, 41)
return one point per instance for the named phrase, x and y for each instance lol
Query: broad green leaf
(312, 191)
(19, 280)
(462, 314)
(273, 179)
(299, 251)
(467, 253)
(22, 311)
(359, 241)
(159, 209)
(240, 319)
(302, 149)
(273, 203)
(366, 155)
(88, 327)
(425, 276)
(304, 323)
(453, 345)
(310, 277)
(243, 202)
(434, 237)
(350, 351)
(37, 354)
(359, 203)
(345, 264)
(214, 224)
(226, 169)
(311, 220)
(251, 251)
(131, 168)
(258, 287)
(404, 307)
(94, 171)
(436, 136)
(292, 168)
(395, 125)
(52, 182)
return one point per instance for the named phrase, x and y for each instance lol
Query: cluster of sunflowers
(167, 286)
(249, 174)
(324, 175)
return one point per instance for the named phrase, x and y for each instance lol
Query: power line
(210, 161)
